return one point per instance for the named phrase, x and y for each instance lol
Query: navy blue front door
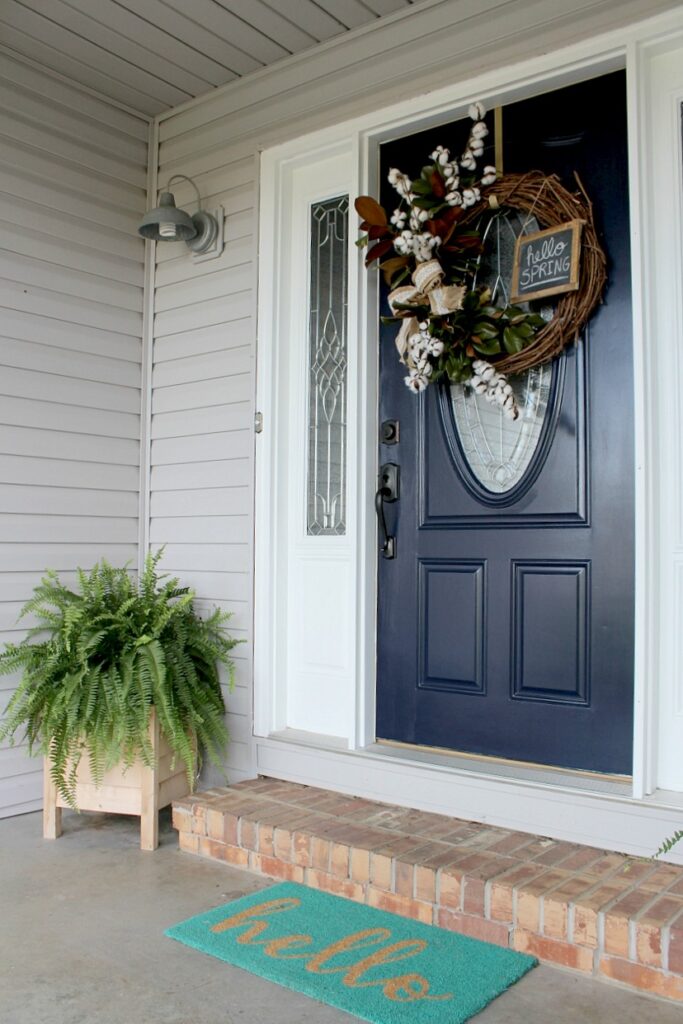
(506, 618)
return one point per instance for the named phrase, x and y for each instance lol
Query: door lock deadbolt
(389, 432)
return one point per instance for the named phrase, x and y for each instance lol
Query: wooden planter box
(137, 790)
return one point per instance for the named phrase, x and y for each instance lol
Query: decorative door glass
(499, 450)
(327, 369)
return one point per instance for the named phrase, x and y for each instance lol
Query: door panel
(506, 619)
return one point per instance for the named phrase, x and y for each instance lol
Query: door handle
(387, 491)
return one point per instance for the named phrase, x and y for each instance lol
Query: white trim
(645, 650)
(147, 358)
(641, 829)
(266, 469)
(661, 161)
(436, 18)
(605, 820)
(300, 640)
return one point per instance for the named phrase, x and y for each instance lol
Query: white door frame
(291, 752)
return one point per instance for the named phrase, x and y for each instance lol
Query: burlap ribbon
(427, 290)
(409, 327)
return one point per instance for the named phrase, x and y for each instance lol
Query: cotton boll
(477, 111)
(479, 130)
(416, 381)
(434, 347)
(441, 156)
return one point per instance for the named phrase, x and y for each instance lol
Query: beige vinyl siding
(202, 436)
(72, 188)
(205, 343)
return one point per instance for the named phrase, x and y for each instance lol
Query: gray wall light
(202, 232)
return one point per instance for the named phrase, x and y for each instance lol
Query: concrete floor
(81, 940)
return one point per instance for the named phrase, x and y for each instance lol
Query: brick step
(591, 910)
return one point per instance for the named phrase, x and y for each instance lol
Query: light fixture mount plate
(208, 242)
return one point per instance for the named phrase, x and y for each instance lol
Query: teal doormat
(381, 967)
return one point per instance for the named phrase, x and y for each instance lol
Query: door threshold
(595, 782)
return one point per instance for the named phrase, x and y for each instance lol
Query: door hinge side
(258, 422)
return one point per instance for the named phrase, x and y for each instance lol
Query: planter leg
(149, 810)
(149, 824)
(52, 815)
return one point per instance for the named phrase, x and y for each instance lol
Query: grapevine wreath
(430, 250)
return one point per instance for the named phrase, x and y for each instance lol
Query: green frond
(668, 844)
(99, 659)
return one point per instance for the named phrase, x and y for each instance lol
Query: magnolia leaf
(399, 278)
(392, 266)
(378, 250)
(469, 241)
(370, 210)
(486, 348)
(395, 263)
(379, 231)
(438, 184)
(444, 226)
(362, 241)
(424, 202)
(485, 330)
(408, 308)
(513, 341)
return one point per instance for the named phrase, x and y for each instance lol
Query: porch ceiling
(154, 54)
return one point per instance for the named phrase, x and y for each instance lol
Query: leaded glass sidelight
(327, 368)
(498, 450)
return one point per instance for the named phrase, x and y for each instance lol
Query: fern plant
(668, 844)
(100, 658)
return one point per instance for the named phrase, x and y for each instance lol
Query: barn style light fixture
(202, 231)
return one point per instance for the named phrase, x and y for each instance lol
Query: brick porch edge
(597, 912)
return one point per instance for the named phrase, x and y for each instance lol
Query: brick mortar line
(198, 825)
(364, 888)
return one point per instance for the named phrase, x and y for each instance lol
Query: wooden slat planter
(138, 790)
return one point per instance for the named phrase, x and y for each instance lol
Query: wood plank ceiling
(154, 54)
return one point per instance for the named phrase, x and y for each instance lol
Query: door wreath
(431, 248)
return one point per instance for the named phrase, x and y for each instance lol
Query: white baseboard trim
(607, 820)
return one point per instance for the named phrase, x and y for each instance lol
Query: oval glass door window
(499, 451)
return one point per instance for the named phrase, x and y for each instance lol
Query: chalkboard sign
(547, 262)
